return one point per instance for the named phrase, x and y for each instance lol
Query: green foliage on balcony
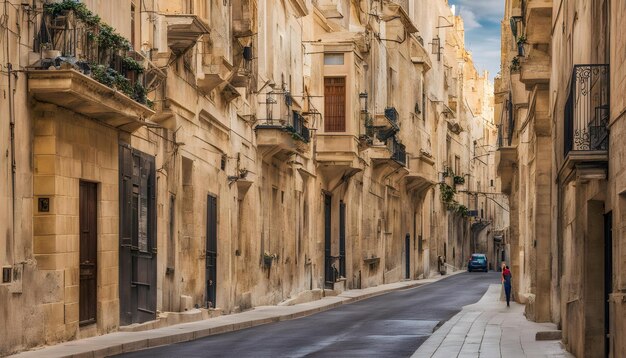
(104, 50)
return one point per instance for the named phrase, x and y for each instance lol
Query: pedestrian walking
(506, 281)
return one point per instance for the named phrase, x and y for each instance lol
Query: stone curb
(126, 342)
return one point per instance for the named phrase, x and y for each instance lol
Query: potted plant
(459, 180)
(48, 51)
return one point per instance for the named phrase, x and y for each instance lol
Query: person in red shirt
(506, 281)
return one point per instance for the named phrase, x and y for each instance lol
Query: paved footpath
(124, 342)
(489, 329)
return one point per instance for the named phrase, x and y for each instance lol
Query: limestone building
(167, 156)
(559, 97)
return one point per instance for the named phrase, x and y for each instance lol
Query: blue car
(478, 262)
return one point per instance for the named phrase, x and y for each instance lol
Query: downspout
(13, 166)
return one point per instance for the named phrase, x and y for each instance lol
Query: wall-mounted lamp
(436, 47)
(363, 101)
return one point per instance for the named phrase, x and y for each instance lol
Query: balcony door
(334, 104)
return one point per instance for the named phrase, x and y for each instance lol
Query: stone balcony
(387, 121)
(215, 70)
(79, 93)
(422, 173)
(182, 31)
(506, 164)
(419, 54)
(338, 149)
(389, 158)
(276, 139)
(301, 8)
(535, 69)
(331, 9)
(538, 19)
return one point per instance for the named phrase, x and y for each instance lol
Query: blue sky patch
(482, 20)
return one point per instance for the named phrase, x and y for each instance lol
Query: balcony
(422, 173)
(81, 94)
(391, 152)
(398, 151)
(538, 20)
(506, 155)
(386, 124)
(282, 138)
(419, 55)
(331, 9)
(301, 7)
(215, 70)
(88, 68)
(587, 111)
(243, 18)
(182, 31)
(535, 68)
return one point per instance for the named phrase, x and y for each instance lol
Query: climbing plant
(448, 193)
(110, 45)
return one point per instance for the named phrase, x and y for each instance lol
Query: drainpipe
(13, 166)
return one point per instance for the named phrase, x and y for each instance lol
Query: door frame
(93, 295)
(407, 256)
(608, 278)
(137, 287)
(329, 279)
(211, 251)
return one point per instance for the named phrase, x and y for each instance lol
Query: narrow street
(390, 325)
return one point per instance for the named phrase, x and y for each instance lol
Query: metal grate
(587, 109)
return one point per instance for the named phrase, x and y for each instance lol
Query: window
(333, 59)
(334, 104)
(457, 165)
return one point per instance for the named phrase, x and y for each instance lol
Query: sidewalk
(489, 329)
(124, 342)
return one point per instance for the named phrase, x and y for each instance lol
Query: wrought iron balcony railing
(299, 127)
(294, 125)
(392, 115)
(587, 109)
(398, 150)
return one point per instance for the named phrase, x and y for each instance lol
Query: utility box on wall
(12, 277)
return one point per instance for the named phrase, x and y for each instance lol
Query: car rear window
(478, 258)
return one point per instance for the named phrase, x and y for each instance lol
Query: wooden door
(342, 239)
(329, 276)
(138, 246)
(334, 104)
(407, 250)
(88, 287)
(211, 252)
(608, 279)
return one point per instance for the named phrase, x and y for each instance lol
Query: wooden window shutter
(334, 104)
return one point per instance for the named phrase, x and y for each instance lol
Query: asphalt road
(390, 325)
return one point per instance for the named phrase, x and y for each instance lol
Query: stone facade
(283, 149)
(560, 82)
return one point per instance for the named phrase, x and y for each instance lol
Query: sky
(482, 31)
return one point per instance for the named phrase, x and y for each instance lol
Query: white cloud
(489, 10)
(470, 20)
(482, 24)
